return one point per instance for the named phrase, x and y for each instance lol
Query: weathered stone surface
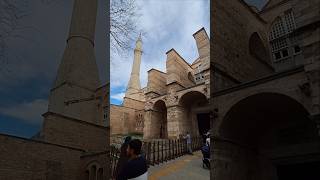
(75, 130)
(251, 131)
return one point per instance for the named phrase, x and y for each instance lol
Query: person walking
(136, 168)
(188, 138)
(208, 138)
(123, 159)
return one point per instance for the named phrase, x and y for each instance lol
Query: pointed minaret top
(139, 43)
(140, 37)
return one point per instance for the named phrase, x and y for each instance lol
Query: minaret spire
(77, 76)
(134, 87)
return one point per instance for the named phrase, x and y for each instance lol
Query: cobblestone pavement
(184, 168)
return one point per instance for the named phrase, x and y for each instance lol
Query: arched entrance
(160, 120)
(196, 117)
(267, 136)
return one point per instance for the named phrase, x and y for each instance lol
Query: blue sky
(26, 79)
(168, 24)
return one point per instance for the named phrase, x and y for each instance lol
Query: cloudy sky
(168, 24)
(27, 74)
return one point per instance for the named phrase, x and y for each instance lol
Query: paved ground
(184, 168)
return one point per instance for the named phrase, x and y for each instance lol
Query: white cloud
(168, 24)
(29, 112)
(118, 96)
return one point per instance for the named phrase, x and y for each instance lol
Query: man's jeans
(189, 148)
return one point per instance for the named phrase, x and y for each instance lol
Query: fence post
(170, 149)
(194, 144)
(185, 146)
(162, 151)
(154, 153)
(173, 149)
(158, 158)
(176, 148)
(149, 153)
(180, 148)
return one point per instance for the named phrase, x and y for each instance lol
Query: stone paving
(183, 168)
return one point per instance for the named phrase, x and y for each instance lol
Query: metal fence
(159, 151)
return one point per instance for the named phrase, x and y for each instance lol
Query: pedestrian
(123, 159)
(136, 167)
(188, 138)
(208, 138)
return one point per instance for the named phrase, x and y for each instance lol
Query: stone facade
(73, 142)
(265, 93)
(172, 99)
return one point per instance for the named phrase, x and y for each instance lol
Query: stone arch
(94, 171)
(194, 114)
(160, 119)
(258, 130)
(235, 99)
(188, 97)
(257, 48)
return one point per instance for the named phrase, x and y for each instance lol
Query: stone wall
(75, 133)
(123, 119)
(300, 84)
(177, 69)
(24, 159)
(132, 103)
(103, 106)
(68, 92)
(157, 82)
(233, 24)
(96, 163)
(203, 45)
(119, 119)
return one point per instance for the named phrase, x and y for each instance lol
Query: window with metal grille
(280, 37)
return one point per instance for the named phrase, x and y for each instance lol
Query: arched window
(93, 172)
(257, 48)
(100, 174)
(283, 43)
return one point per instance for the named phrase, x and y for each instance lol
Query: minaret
(77, 76)
(134, 87)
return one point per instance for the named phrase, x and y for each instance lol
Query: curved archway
(93, 171)
(264, 130)
(257, 48)
(160, 119)
(195, 112)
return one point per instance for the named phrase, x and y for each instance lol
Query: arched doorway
(160, 120)
(196, 117)
(268, 136)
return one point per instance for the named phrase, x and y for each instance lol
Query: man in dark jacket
(123, 159)
(136, 167)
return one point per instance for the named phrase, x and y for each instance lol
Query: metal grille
(278, 44)
(277, 30)
(279, 36)
(289, 20)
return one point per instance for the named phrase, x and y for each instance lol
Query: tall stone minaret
(134, 87)
(77, 77)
